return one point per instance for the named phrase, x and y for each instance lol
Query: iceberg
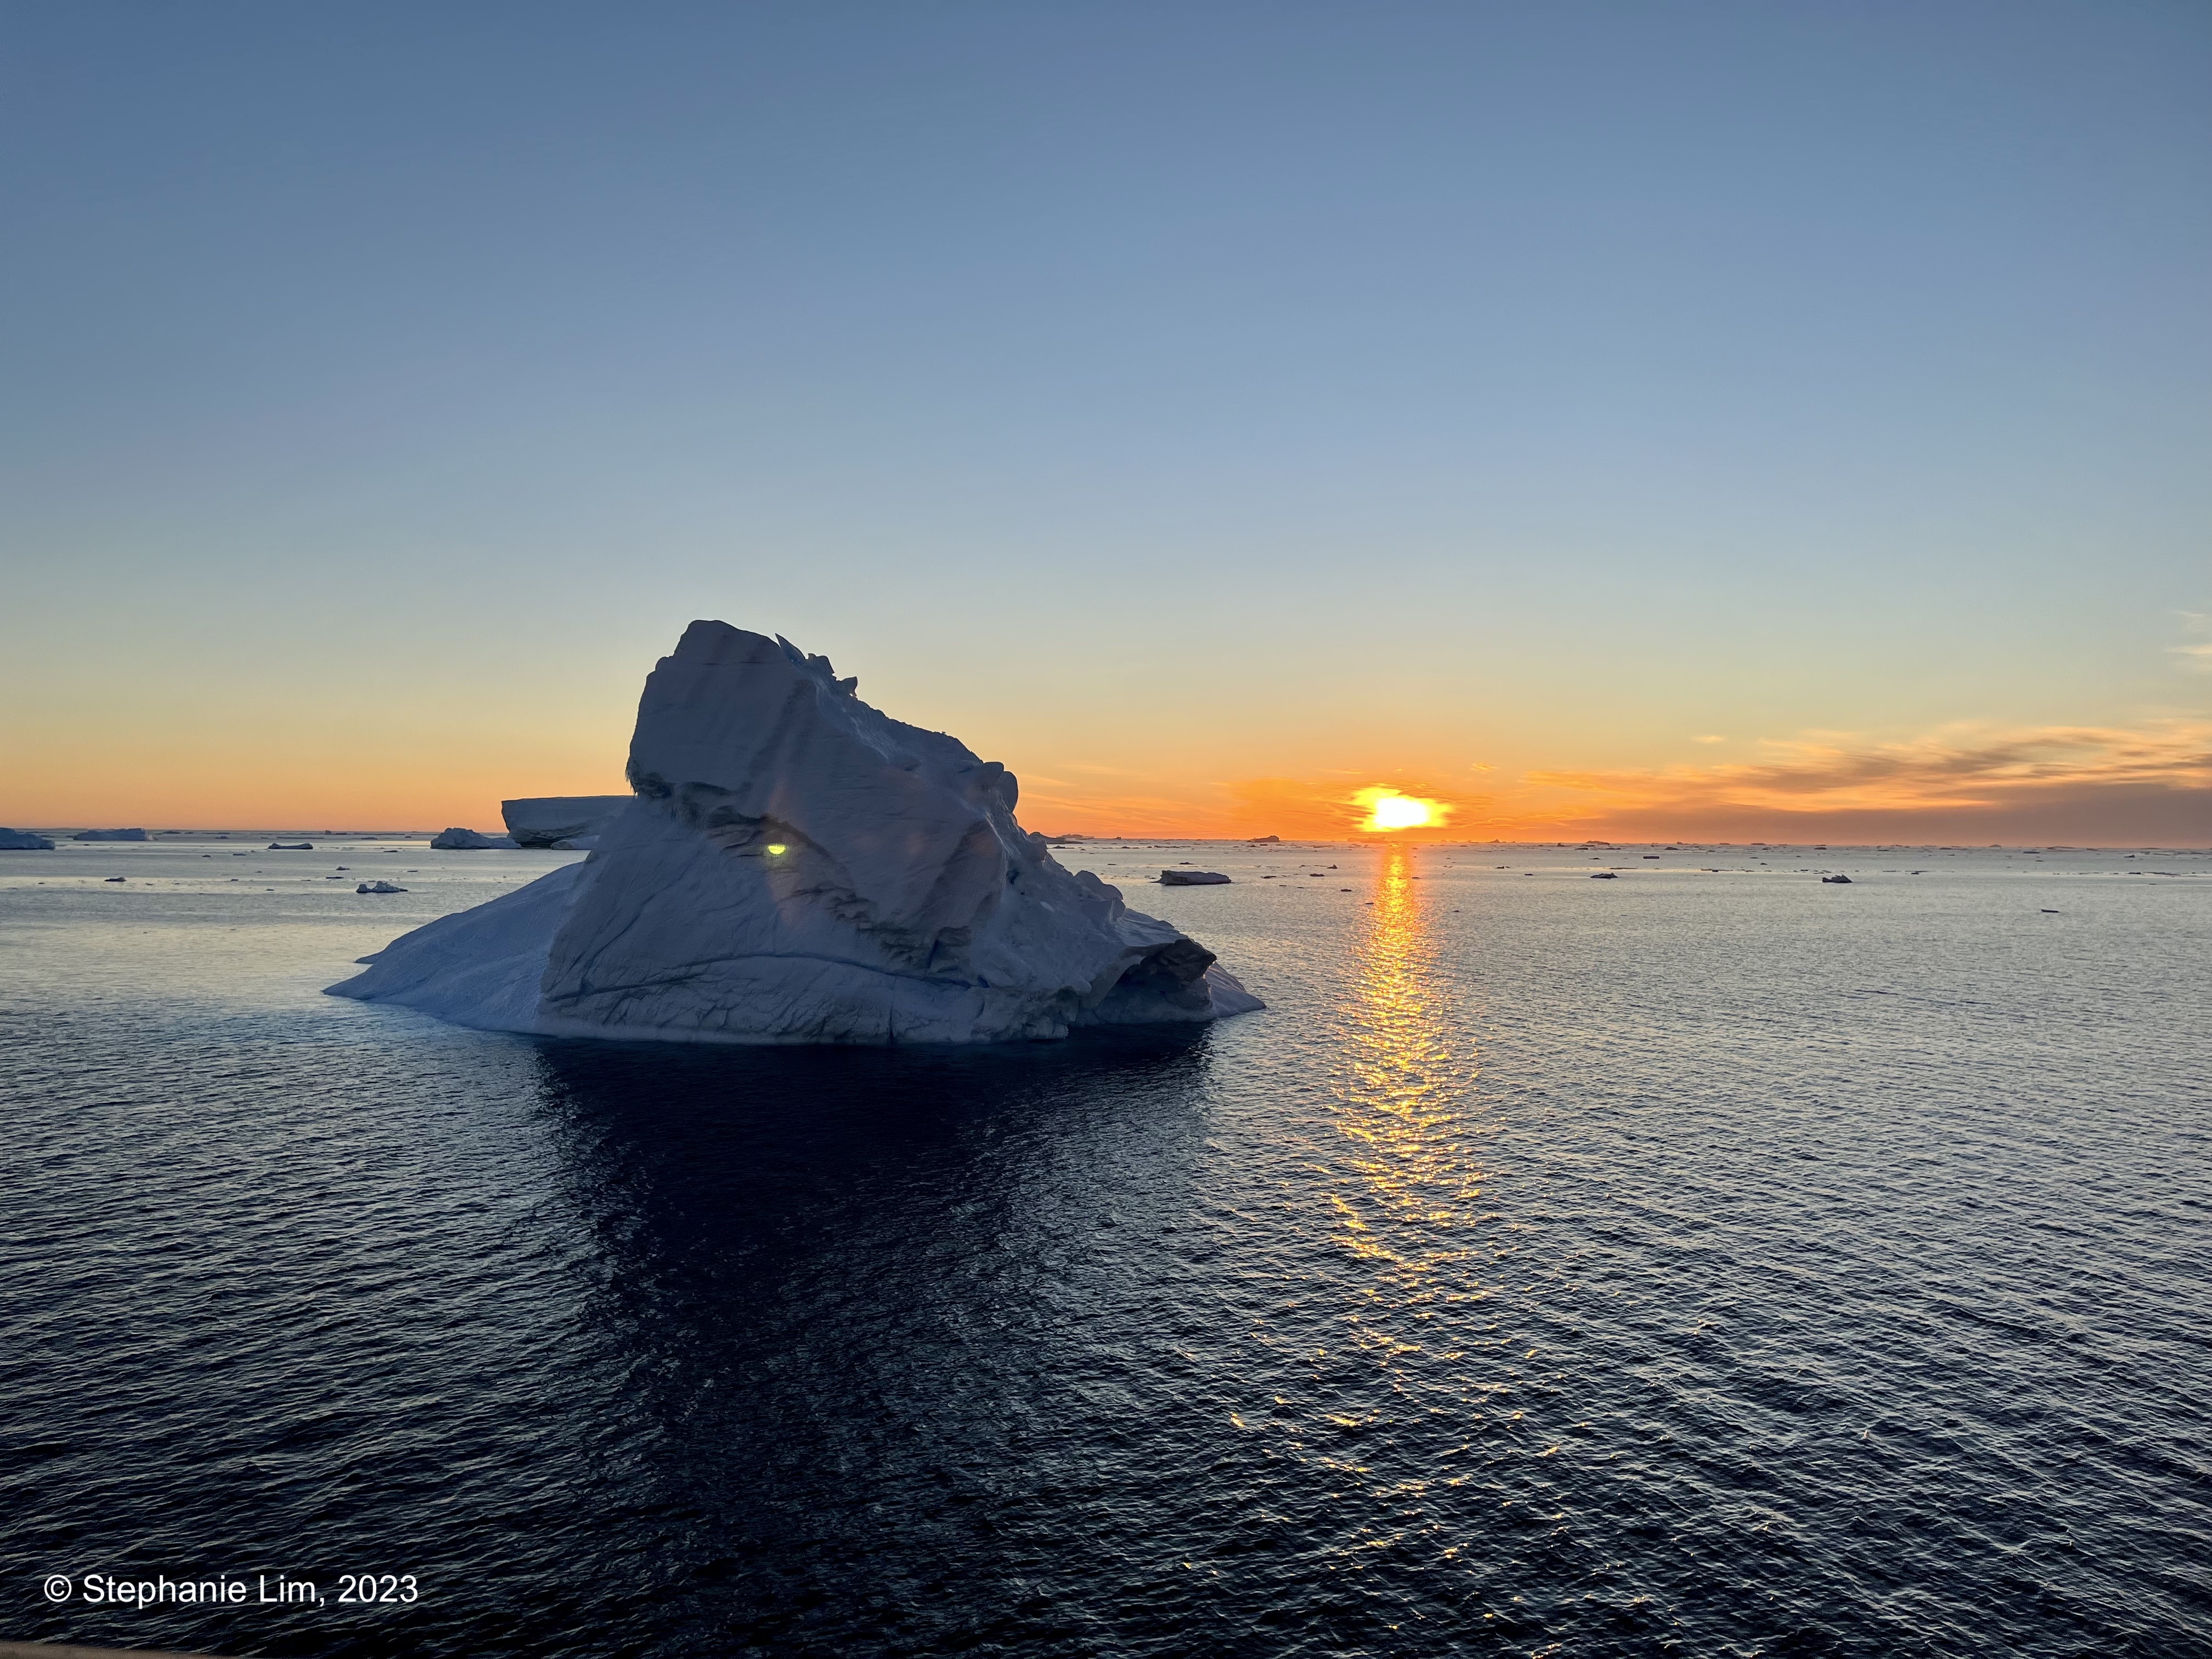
(796, 867)
(549, 820)
(22, 840)
(109, 834)
(468, 841)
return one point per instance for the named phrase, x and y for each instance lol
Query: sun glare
(1387, 809)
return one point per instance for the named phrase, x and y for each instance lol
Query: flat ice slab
(549, 820)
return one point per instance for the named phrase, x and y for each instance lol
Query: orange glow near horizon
(1388, 810)
(409, 761)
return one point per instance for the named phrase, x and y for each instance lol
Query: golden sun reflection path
(1402, 1102)
(1414, 1388)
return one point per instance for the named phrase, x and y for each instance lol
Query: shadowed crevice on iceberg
(796, 867)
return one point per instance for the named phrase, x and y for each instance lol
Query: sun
(1387, 809)
(1397, 812)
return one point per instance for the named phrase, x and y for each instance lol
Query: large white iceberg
(796, 867)
(23, 841)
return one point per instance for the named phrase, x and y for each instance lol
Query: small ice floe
(118, 878)
(2052, 913)
(1192, 879)
(291, 847)
(1603, 875)
(377, 887)
(1840, 881)
(468, 841)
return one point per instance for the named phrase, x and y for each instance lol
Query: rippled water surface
(1711, 1261)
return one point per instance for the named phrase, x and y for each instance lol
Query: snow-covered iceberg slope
(799, 867)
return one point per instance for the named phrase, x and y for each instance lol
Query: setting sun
(1388, 810)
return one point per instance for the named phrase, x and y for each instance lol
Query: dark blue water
(1698, 1264)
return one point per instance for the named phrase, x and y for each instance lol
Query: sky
(1729, 421)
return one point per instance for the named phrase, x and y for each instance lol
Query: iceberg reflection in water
(1733, 1262)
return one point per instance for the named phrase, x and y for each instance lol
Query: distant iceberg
(109, 834)
(22, 840)
(458, 840)
(796, 867)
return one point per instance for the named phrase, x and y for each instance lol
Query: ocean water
(1709, 1261)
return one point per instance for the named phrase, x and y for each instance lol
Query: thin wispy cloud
(2153, 780)
(2197, 655)
(1959, 766)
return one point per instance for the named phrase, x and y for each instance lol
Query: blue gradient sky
(1166, 399)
